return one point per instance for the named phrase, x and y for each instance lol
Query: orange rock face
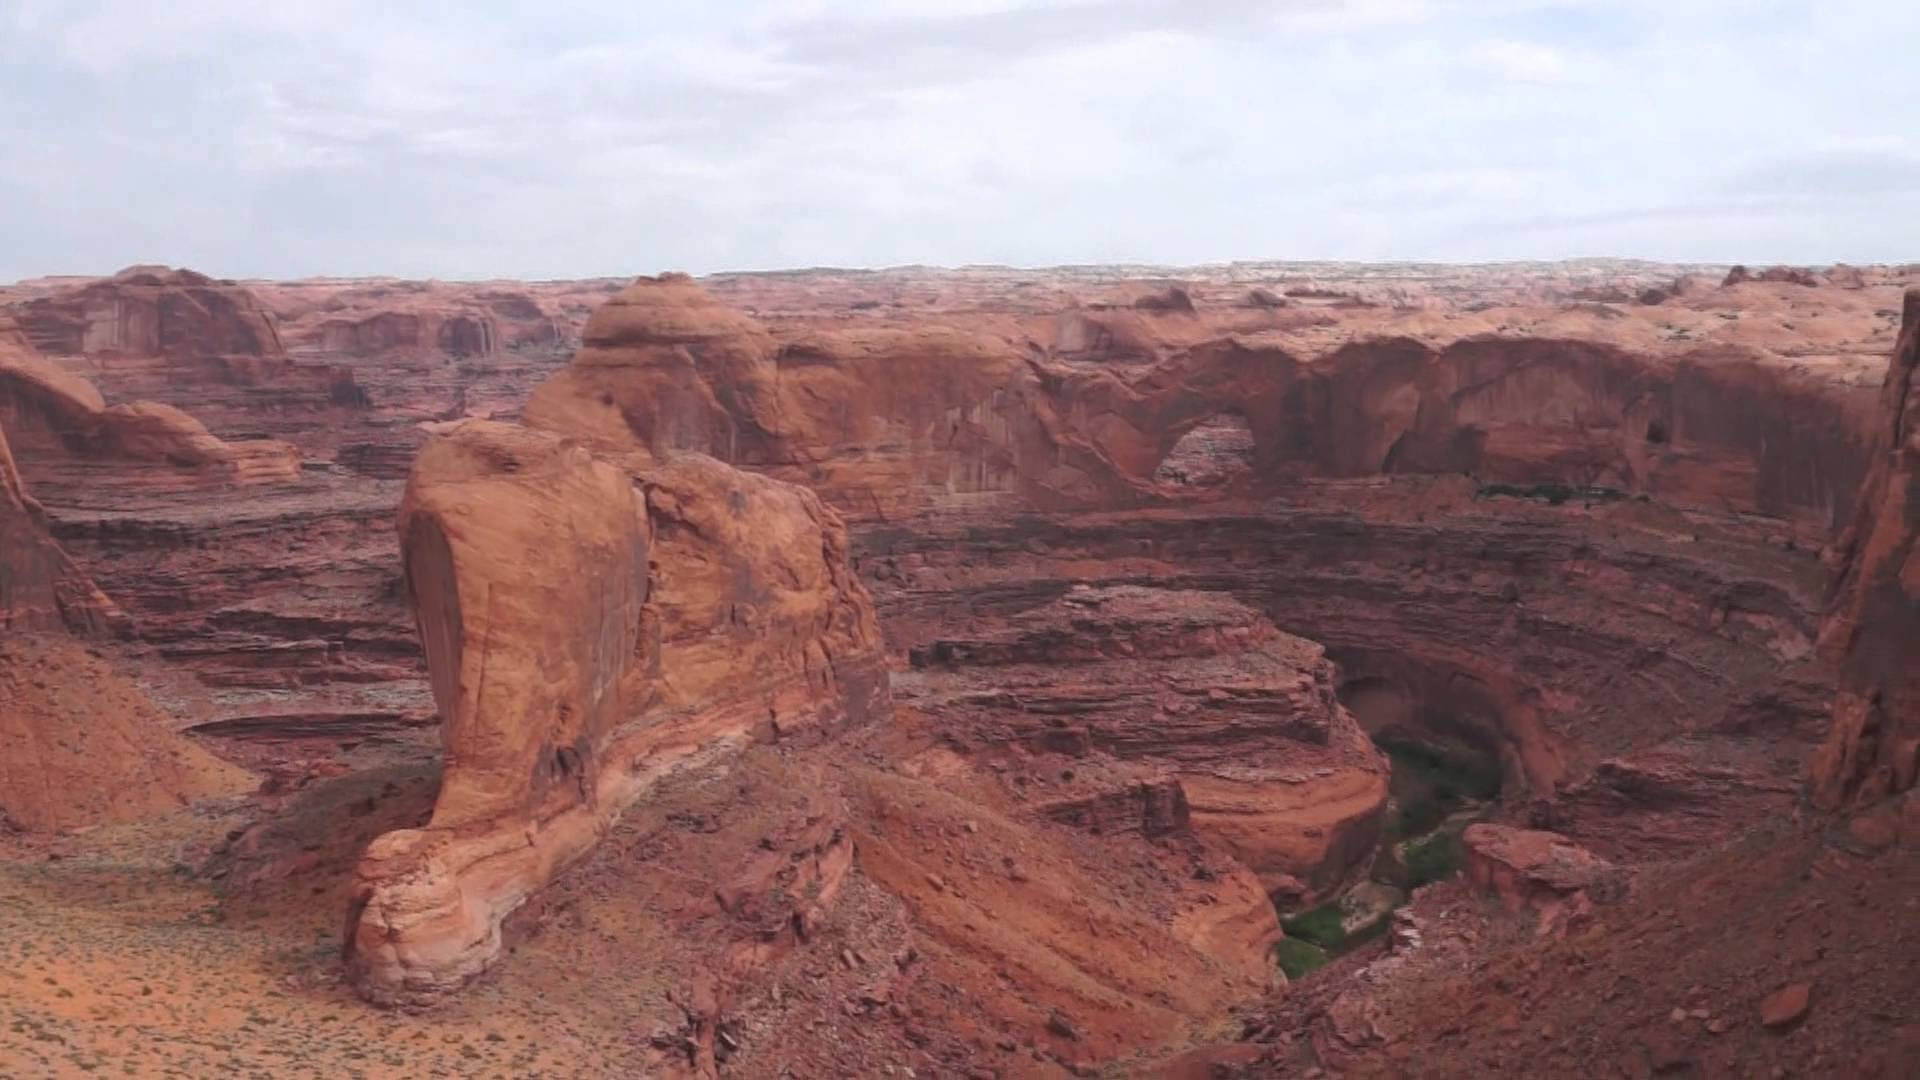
(393, 320)
(79, 744)
(1873, 749)
(49, 407)
(588, 628)
(1419, 490)
(1151, 559)
(893, 417)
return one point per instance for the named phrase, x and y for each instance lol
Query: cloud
(593, 137)
(1863, 167)
(1520, 61)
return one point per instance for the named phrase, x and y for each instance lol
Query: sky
(574, 138)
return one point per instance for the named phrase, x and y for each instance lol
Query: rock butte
(588, 628)
(836, 670)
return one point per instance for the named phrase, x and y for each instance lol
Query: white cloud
(592, 137)
(1521, 61)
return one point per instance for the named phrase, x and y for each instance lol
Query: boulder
(1529, 869)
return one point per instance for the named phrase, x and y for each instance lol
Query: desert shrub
(1432, 782)
(1419, 816)
(1369, 931)
(1554, 494)
(1321, 926)
(1433, 859)
(1297, 957)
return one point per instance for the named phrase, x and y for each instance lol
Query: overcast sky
(566, 138)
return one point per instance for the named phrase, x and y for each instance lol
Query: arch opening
(1213, 454)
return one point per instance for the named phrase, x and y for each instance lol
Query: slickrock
(392, 320)
(587, 629)
(1873, 749)
(892, 417)
(1568, 518)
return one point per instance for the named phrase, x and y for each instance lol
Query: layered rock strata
(893, 418)
(1542, 872)
(80, 745)
(54, 413)
(40, 587)
(589, 626)
(1176, 711)
(1590, 560)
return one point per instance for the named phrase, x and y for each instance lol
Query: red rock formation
(1790, 275)
(972, 886)
(881, 421)
(55, 413)
(1874, 748)
(40, 587)
(152, 311)
(588, 629)
(79, 745)
(1177, 711)
(394, 320)
(980, 475)
(1539, 871)
(227, 553)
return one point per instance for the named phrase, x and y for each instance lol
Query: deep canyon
(1272, 669)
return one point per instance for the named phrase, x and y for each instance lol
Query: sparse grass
(1297, 957)
(1431, 782)
(1322, 927)
(1375, 929)
(1554, 494)
(1433, 859)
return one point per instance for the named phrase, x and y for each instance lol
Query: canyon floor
(1272, 669)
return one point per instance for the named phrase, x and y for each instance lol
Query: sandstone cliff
(153, 311)
(1592, 560)
(588, 628)
(1873, 749)
(891, 418)
(53, 410)
(391, 320)
(40, 587)
(79, 744)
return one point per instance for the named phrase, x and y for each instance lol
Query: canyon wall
(1149, 565)
(892, 418)
(153, 311)
(80, 745)
(40, 587)
(1874, 627)
(1576, 556)
(1176, 712)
